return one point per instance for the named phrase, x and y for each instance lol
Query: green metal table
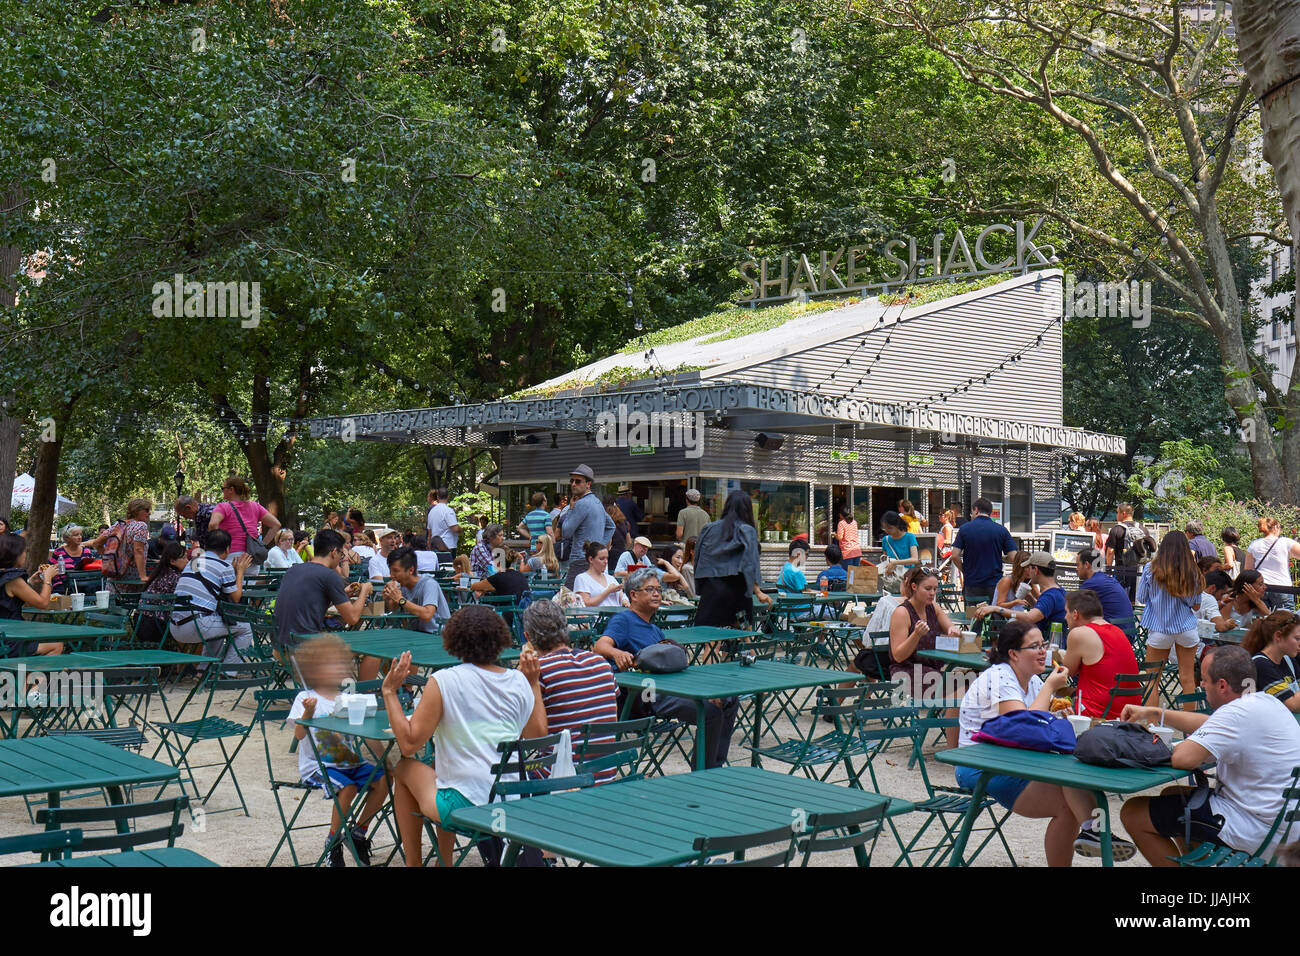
(50, 631)
(426, 649)
(51, 765)
(702, 683)
(655, 821)
(372, 729)
(1062, 769)
(98, 661)
(976, 662)
(169, 856)
(696, 639)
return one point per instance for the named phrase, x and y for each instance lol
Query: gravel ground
(232, 839)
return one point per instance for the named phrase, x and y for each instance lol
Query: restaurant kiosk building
(866, 402)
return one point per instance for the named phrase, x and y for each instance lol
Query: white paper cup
(1079, 722)
(356, 711)
(78, 601)
(101, 599)
(1164, 733)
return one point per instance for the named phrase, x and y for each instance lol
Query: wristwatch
(401, 604)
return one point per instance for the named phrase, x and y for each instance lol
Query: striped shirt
(1164, 613)
(578, 688)
(536, 521)
(218, 574)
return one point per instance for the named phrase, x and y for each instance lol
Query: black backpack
(1122, 745)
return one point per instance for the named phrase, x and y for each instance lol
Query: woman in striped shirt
(1170, 586)
(577, 686)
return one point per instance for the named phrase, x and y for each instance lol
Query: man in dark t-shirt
(1114, 599)
(978, 550)
(309, 590)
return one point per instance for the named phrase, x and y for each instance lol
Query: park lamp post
(439, 461)
(179, 478)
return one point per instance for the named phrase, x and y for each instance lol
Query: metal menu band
(570, 411)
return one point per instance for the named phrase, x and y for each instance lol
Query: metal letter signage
(570, 411)
(776, 280)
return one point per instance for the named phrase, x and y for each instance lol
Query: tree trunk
(10, 425)
(1268, 40)
(40, 520)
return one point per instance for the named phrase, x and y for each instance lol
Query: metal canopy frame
(737, 406)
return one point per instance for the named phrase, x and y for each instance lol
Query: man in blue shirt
(631, 510)
(979, 549)
(587, 520)
(1049, 609)
(1114, 598)
(628, 633)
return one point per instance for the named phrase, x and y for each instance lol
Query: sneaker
(362, 843)
(1088, 843)
(336, 850)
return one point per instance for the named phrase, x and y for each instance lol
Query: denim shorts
(1005, 790)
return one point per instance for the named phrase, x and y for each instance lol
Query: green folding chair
(855, 830)
(947, 806)
(623, 751)
(51, 845)
(710, 849)
(121, 815)
(1213, 854)
(179, 738)
(818, 754)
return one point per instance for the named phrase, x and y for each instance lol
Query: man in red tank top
(1095, 653)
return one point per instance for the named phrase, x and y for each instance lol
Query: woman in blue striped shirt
(1170, 587)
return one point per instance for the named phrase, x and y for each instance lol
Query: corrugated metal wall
(941, 350)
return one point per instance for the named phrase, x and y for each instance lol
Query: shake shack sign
(898, 261)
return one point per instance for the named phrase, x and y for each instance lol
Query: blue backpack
(1028, 730)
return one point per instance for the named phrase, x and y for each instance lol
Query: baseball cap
(692, 494)
(167, 532)
(1040, 559)
(624, 487)
(584, 471)
(643, 541)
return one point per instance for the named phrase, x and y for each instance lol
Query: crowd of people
(1185, 587)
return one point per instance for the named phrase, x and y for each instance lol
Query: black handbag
(1122, 745)
(666, 657)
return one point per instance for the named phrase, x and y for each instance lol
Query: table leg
(1107, 847)
(115, 798)
(758, 729)
(52, 801)
(512, 853)
(700, 735)
(963, 835)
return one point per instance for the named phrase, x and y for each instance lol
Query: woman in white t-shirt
(1271, 555)
(467, 710)
(1013, 683)
(598, 588)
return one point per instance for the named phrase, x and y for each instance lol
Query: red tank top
(1096, 680)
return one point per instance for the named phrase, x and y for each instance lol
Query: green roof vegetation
(730, 323)
(608, 380)
(933, 291)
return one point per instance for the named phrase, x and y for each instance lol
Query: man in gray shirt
(411, 593)
(587, 520)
